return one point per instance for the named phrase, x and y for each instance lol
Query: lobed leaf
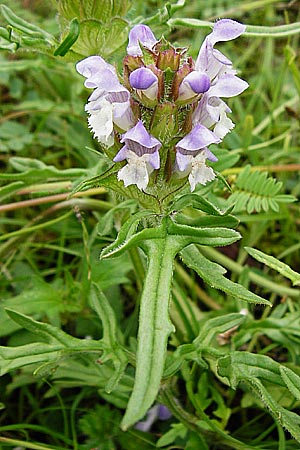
(212, 273)
(275, 264)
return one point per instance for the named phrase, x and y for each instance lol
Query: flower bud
(144, 80)
(193, 84)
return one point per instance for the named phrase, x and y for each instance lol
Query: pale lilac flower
(109, 104)
(140, 35)
(141, 150)
(145, 82)
(211, 60)
(191, 154)
(164, 86)
(211, 110)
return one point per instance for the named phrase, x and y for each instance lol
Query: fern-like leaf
(256, 191)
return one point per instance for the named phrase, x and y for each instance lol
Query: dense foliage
(69, 318)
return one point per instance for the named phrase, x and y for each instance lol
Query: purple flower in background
(157, 412)
(141, 150)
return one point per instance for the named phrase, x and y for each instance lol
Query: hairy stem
(154, 329)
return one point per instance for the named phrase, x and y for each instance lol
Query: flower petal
(137, 170)
(193, 84)
(101, 123)
(198, 138)
(140, 34)
(223, 126)
(212, 61)
(142, 78)
(198, 81)
(183, 161)
(139, 140)
(226, 30)
(91, 67)
(227, 85)
(200, 174)
(123, 116)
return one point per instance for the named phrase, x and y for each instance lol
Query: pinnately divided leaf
(255, 192)
(275, 264)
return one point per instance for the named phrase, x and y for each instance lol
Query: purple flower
(145, 82)
(140, 34)
(141, 150)
(191, 154)
(169, 92)
(198, 138)
(212, 61)
(109, 103)
(157, 412)
(211, 110)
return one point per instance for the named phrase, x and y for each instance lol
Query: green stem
(251, 30)
(154, 329)
(202, 425)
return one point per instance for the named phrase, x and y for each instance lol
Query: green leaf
(5, 41)
(98, 37)
(218, 325)
(204, 221)
(93, 9)
(57, 345)
(209, 330)
(178, 430)
(9, 189)
(16, 66)
(25, 27)
(197, 202)
(287, 419)
(110, 339)
(292, 381)
(213, 237)
(212, 274)
(69, 40)
(275, 264)
(241, 366)
(39, 299)
(126, 236)
(34, 169)
(255, 191)
(106, 222)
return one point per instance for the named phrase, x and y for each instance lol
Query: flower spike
(163, 94)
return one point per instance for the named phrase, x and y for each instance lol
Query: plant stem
(154, 329)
